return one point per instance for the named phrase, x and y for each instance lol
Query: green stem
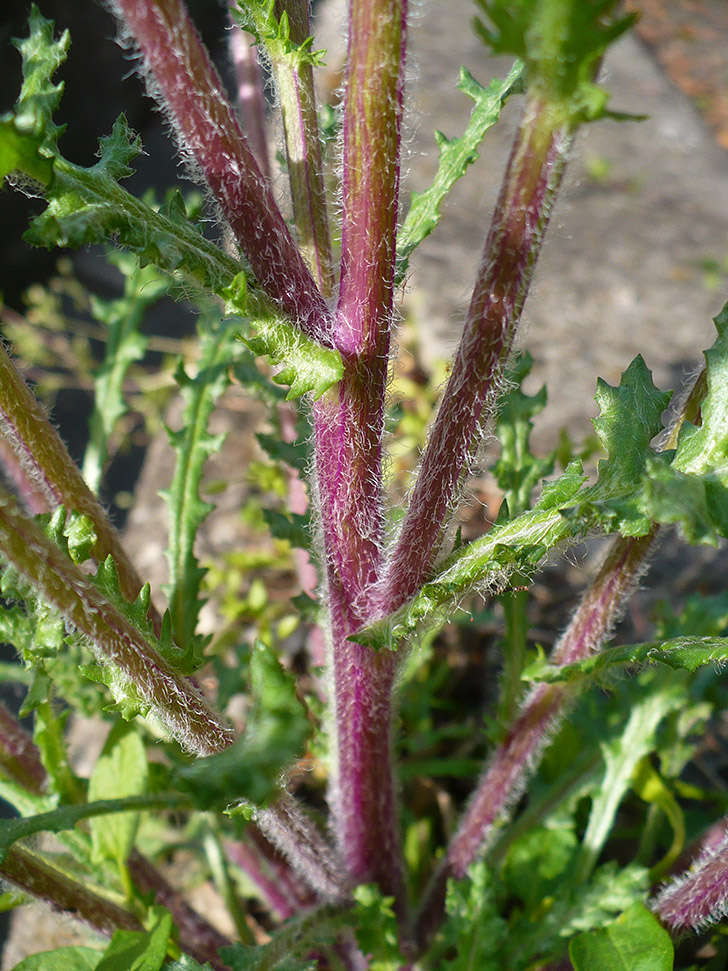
(59, 583)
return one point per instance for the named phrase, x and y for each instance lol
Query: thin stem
(192, 93)
(47, 473)
(533, 176)
(32, 874)
(19, 756)
(519, 754)
(285, 826)
(261, 862)
(250, 100)
(348, 435)
(303, 149)
(514, 653)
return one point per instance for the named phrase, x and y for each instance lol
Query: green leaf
(456, 154)
(518, 471)
(635, 941)
(187, 511)
(273, 32)
(293, 527)
(486, 563)
(473, 930)
(303, 364)
(20, 153)
(687, 652)
(61, 959)
(561, 43)
(295, 454)
(621, 757)
(376, 929)
(630, 417)
(120, 771)
(275, 734)
(48, 736)
(39, 97)
(125, 344)
(138, 950)
(87, 206)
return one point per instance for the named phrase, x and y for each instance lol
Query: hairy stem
(303, 149)
(530, 184)
(348, 434)
(250, 101)
(32, 874)
(49, 475)
(58, 582)
(519, 753)
(183, 75)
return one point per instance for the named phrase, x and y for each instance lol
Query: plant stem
(19, 756)
(514, 653)
(529, 734)
(303, 150)
(348, 432)
(530, 184)
(193, 95)
(58, 582)
(32, 874)
(250, 101)
(49, 475)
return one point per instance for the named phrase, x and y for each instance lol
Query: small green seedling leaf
(635, 941)
(62, 959)
(138, 950)
(456, 155)
(120, 771)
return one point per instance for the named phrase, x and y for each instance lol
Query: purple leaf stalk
(699, 896)
(543, 708)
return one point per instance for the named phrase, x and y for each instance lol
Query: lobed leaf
(561, 43)
(456, 155)
(518, 471)
(517, 545)
(125, 344)
(687, 652)
(303, 364)
(274, 33)
(187, 511)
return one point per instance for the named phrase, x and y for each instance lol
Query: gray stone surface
(621, 272)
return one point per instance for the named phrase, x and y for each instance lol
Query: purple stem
(192, 94)
(264, 866)
(19, 756)
(250, 100)
(699, 896)
(348, 435)
(519, 754)
(286, 826)
(530, 184)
